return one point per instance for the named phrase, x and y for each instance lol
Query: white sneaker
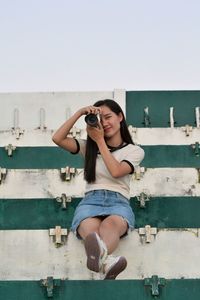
(96, 252)
(112, 266)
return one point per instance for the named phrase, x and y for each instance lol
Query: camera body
(92, 120)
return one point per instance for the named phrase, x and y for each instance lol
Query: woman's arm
(60, 136)
(116, 168)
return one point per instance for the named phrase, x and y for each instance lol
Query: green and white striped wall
(41, 185)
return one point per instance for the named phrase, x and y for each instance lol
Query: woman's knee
(115, 223)
(88, 225)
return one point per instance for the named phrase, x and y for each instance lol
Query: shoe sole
(93, 252)
(116, 269)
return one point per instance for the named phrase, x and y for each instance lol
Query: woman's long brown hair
(91, 146)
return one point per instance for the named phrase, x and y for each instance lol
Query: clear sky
(96, 45)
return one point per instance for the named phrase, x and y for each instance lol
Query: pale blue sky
(90, 45)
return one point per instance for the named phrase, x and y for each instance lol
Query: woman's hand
(95, 133)
(90, 110)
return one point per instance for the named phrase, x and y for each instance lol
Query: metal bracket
(143, 198)
(64, 200)
(196, 148)
(154, 282)
(198, 170)
(67, 173)
(132, 129)
(187, 129)
(146, 117)
(74, 132)
(139, 172)
(197, 114)
(10, 148)
(147, 232)
(50, 283)
(17, 132)
(171, 117)
(59, 235)
(3, 173)
(42, 119)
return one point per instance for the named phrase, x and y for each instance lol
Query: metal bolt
(64, 200)
(10, 148)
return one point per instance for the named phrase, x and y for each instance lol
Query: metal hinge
(132, 129)
(187, 129)
(3, 173)
(196, 148)
(147, 232)
(59, 235)
(154, 282)
(64, 200)
(50, 283)
(67, 173)
(74, 132)
(142, 199)
(17, 132)
(10, 148)
(139, 172)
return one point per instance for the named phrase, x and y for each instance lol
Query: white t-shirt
(130, 153)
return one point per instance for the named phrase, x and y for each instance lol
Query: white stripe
(31, 255)
(141, 136)
(164, 136)
(33, 138)
(41, 183)
(56, 107)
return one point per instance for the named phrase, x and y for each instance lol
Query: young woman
(104, 215)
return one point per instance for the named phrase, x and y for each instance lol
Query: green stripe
(176, 289)
(168, 212)
(35, 213)
(170, 156)
(54, 157)
(161, 212)
(39, 158)
(159, 103)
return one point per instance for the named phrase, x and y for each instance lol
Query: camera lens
(91, 119)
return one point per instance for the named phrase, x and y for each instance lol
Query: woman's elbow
(55, 140)
(116, 174)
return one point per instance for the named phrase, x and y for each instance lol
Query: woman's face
(110, 121)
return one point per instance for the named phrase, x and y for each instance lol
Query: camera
(92, 120)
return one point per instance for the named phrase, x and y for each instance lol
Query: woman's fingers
(93, 110)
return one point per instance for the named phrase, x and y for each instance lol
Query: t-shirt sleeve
(134, 156)
(81, 145)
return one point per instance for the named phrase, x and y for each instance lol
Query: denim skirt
(103, 203)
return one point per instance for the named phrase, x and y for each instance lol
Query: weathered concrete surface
(32, 255)
(57, 107)
(164, 136)
(142, 136)
(42, 183)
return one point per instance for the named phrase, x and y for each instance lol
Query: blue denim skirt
(103, 203)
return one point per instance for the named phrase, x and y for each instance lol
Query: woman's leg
(88, 226)
(89, 231)
(110, 231)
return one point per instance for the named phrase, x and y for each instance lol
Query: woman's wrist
(101, 143)
(79, 113)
